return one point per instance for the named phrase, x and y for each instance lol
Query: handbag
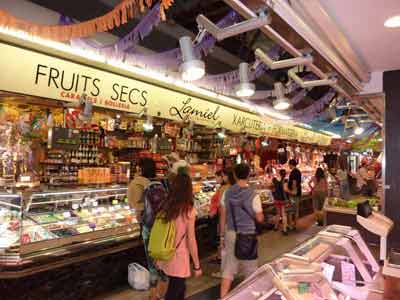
(246, 244)
(364, 209)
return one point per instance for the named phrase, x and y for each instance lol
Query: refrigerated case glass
(64, 222)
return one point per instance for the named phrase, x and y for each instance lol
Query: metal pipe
(221, 34)
(315, 10)
(282, 9)
(286, 63)
(246, 12)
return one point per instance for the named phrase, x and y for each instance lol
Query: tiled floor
(272, 244)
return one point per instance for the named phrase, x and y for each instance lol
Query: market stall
(67, 156)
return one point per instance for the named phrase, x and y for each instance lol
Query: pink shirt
(179, 265)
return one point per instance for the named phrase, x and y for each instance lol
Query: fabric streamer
(119, 15)
(128, 42)
(171, 59)
(311, 112)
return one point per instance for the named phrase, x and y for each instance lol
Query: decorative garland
(121, 13)
(309, 113)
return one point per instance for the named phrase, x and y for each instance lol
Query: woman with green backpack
(177, 220)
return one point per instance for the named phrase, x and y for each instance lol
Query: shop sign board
(33, 73)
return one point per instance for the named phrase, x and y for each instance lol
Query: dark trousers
(176, 288)
(213, 224)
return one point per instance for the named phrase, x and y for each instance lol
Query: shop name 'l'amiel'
(81, 83)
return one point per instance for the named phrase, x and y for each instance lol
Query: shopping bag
(138, 277)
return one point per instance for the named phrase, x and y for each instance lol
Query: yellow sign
(32, 73)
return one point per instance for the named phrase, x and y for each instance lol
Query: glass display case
(40, 225)
(335, 264)
(285, 280)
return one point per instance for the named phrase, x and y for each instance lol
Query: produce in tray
(44, 218)
(35, 233)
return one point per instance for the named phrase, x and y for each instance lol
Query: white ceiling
(362, 22)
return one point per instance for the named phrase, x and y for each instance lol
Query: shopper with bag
(240, 210)
(179, 214)
(145, 195)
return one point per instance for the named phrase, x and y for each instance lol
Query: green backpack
(162, 239)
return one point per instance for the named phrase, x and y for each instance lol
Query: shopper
(144, 188)
(279, 192)
(269, 176)
(240, 210)
(343, 179)
(362, 177)
(179, 207)
(319, 191)
(294, 186)
(213, 217)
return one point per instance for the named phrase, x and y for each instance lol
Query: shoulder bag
(246, 244)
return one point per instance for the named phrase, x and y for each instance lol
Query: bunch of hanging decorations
(120, 14)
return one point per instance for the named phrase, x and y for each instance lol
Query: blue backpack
(153, 196)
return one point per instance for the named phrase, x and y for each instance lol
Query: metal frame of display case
(304, 266)
(36, 256)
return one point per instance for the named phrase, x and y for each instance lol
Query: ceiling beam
(314, 12)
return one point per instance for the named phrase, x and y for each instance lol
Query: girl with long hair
(179, 207)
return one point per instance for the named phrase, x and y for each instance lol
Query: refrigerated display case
(41, 226)
(334, 264)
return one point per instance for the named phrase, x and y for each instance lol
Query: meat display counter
(36, 228)
(334, 264)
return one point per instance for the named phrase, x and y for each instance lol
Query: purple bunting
(314, 110)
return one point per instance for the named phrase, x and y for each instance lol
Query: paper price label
(66, 214)
(95, 203)
(115, 202)
(75, 206)
(328, 271)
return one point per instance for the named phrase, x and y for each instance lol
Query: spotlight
(148, 125)
(358, 129)
(192, 68)
(281, 102)
(245, 88)
(265, 143)
(221, 134)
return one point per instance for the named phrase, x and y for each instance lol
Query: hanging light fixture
(281, 102)
(148, 125)
(221, 134)
(358, 129)
(245, 88)
(192, 68)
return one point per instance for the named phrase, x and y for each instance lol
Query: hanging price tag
(348, 273)
(115, 202)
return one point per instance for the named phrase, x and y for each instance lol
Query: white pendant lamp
(148, 125)
(245, 88)
(192, 68)
(281, 102)
(358, 129)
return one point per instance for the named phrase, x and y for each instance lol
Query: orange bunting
(121, 13)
